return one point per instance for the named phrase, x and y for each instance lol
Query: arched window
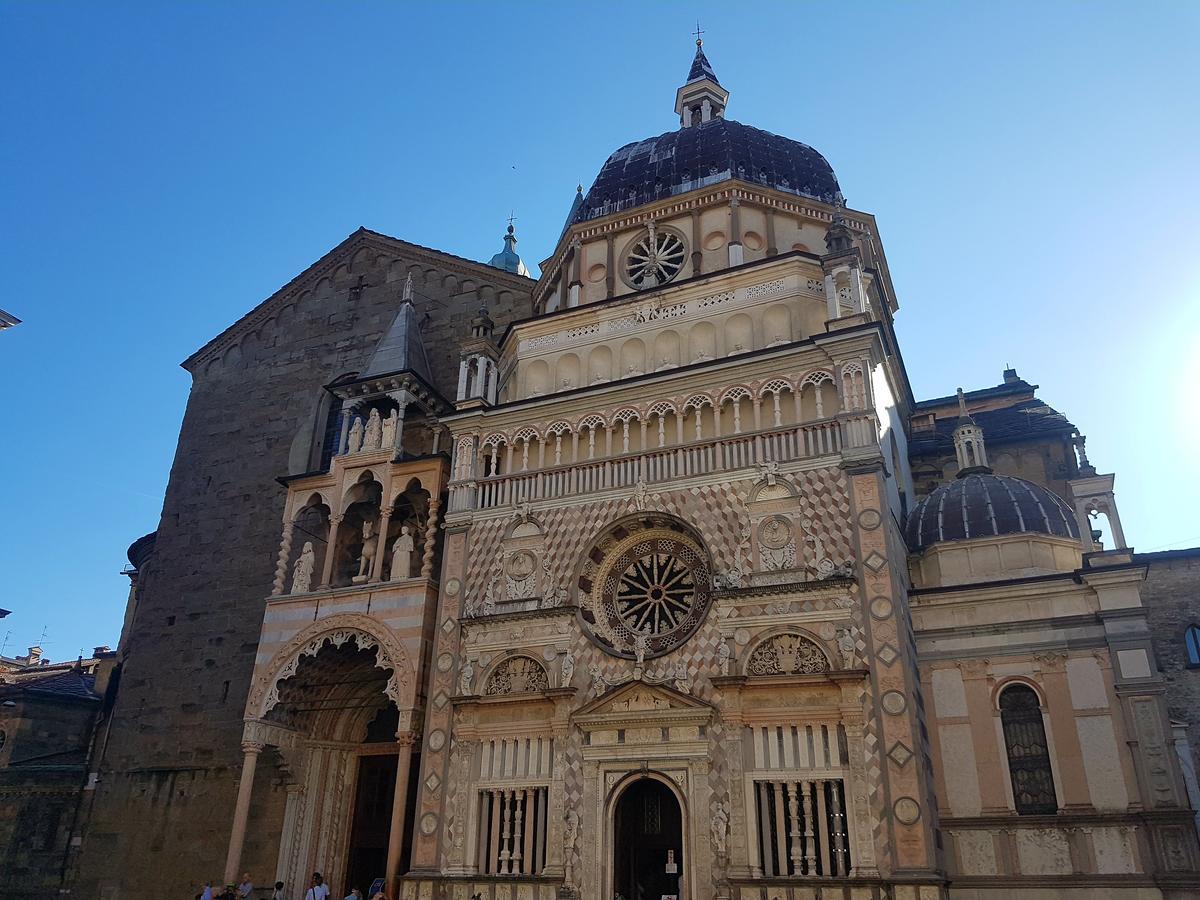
(1028, 752)
(1191, 639)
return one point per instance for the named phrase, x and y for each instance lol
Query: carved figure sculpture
(597, 679)
(356, 436)
(641, 644)
(402, 550)
(570, 836)
(367, 554)
(388, 438)
(683, 683)
(720, 828)
(374, 433)
(303, 570)
(769, 470)
(845, 642)
(640, 495)
(466, 676)
(568, 669)
(724, 655)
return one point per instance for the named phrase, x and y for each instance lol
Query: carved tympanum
(787, 654)
(517, 675)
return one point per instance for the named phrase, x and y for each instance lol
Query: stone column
(385, 518)
(430, 536)
(347, 415)
(241, 810)
(832, 310)
(330, 550)
(404, 744)
(285, 550)
(735, 233)
(697, 251)
(462, 378)
(609, 277)
(772, 249)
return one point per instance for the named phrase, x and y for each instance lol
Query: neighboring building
(1171, 595)
(7, 320)
(648, 578)
(48, 715)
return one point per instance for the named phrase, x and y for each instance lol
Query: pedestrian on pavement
(319, 889)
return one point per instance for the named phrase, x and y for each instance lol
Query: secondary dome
(704, 154)
(986, 505)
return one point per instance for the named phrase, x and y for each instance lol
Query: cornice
(329, 262)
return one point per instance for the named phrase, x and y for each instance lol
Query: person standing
(206, 892)
(246, 888)
(319, 889)
(278, 894)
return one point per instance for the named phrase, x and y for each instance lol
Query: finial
(698, 32)
(407, 298)
(579, 188)
(962, 405)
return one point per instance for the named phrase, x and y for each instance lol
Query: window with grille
(1028, 751)
(802, 827)
(1191, 640)
(512, 830)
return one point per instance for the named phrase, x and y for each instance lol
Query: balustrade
(663, 464)
(512, 830)
(802, 828)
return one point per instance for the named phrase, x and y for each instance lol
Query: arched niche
(633, 358)
(567, 372)
(600, 364)
(777, 325)
(537, 378)
(666, 351)
(739, 334)
(702, 342)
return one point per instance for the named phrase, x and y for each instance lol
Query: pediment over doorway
(637, 702)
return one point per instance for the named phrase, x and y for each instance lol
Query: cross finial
(698, 33)
(512, 217)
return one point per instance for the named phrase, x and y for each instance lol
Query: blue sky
(166, 166)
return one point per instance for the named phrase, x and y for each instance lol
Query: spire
(507, 259)
(575, 207)
(968, 443)
(839, 239)
(701, 99)
(402, 348)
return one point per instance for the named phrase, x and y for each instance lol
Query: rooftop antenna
(4, 646)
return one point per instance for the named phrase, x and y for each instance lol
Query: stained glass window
(1028, 752)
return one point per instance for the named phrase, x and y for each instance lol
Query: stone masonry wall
(160, 822)
(1171, 595)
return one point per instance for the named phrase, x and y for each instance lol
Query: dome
(704, 154)
(987, 505)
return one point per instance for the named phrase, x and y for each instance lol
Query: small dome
(986, 505)
(705, 154)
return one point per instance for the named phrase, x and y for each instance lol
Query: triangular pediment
(640, 699)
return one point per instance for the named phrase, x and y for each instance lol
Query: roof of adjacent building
(402, 348)
(985, 505)
(72, 684)
(704, 154)
(508, 259)
(1024, 420)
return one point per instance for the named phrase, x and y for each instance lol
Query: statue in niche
(356, 436)
(402, 551)
(388, 435)
(724, 655)
(374, 433)
(570, 836)
(720, 828)
(303, 570)
(568, 669)
(631, 370)
(845, 642)
(367, 555)
(466, 676)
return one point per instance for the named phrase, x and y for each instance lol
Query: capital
(253, 748)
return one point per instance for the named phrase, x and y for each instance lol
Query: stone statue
(683, 683)
(769, 470)
(303, 571)
(367, 554)
(720, 828)
(489, 599)
(570, 837)
(374, 432)
(597, 679)
(724, 654)
(845, 642)
(568, 669)
(356, 436)
(388, 439)
(402, 550)
(640, 495)
(465, 676)
(641, 644)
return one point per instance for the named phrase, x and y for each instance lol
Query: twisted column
(430, 537)
(285, 550)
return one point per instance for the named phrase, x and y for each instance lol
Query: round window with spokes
(654, 257)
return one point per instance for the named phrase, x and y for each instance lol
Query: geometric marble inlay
(900, 754)
(887, 654)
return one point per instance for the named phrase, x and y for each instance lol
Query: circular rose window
(654, 258)
(646, 578)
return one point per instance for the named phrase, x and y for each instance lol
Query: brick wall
(159, 825)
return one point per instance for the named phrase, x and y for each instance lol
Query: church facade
(648, 578)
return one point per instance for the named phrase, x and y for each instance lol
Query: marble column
(385, 518)
(241, 811)
(330, 550)
(404, 744)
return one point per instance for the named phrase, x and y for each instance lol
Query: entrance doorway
(647, 843)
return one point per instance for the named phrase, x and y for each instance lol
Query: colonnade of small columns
(478, 377)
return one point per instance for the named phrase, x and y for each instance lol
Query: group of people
(318, 890)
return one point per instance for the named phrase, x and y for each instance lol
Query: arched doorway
(647, 842)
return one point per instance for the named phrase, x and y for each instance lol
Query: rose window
(654, 258)
(646, 582)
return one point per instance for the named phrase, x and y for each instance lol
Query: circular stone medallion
(521, 564)
(445, 661)
(893, 703)
(881, 608)
(452, 587)
(907, 810)
(775, 532)
(437, 740)
(429, 823)
(869, 519)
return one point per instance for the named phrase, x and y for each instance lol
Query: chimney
(102, 649)
(35, 654)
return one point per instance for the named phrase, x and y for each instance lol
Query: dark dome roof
(986, 505)
(704, 154)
